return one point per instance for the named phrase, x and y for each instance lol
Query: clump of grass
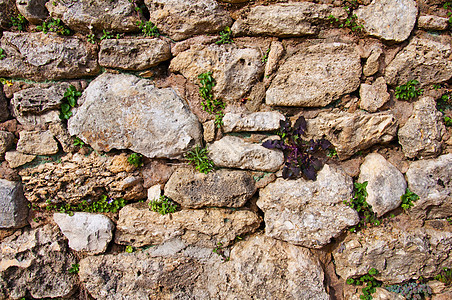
(210, 104)
(148, 28)
(163, 205)
(408, 91)
(225, 37)
(198, 157)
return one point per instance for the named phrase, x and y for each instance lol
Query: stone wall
(75, 220)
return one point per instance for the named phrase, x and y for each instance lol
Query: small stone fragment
(6, 141)
(275, 52)
(372, 63)
(13, 205)
(16, 159)
(37, 143)
(431, 22)
(209, 130)
(259, 121)
(154, 192)
(373, 96)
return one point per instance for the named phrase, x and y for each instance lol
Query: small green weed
(130, 249)
(444, 103)
(411, 290)
(264, 58)
(210, 104)
(448, 7)
(54, 25)
(2, 54)
(69, 101)
(91, 38)
(408, 91)
(350, 21)
(198, 157)
(148, 28)
(225, 37)
(135, 159)
(163, 205)
(408, 198)
(78, 142)
(103, 205)
(219, 250)
(370, 284)
(445, 276)
(107, 35)
(449, 220)
(19, 22)
(74, 269)
(332, 153)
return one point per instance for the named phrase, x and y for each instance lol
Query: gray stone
(430, 180)
(119, 111)
(385, 184)
(13, 205)
(373, 62)
(387, 19)
(222, 187)
(181, 19)
(422, 133)
(373, 96)
(34, 11)
(259, 121)
(425, 59)
(16, 159)
(316, 76)
(234, 69)
(308, 213)
(6, 141)
(431, 22)
(4, 111)
(234, 152)
(286, 19)
(39, 56)
(37, 143)
(133, 54)
(7, 10)
(96, 15)
(35, 262)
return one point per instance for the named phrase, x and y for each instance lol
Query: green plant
(74, 268)
(78, 142)
(351, 19)
(448, 7)
(408, 198)
(2, 55)
(445, 103)
(163, 205)
(198, 157)
(148, 28)
(220, 251)
(332, 153)
(369, 281)
(135, 159)
(210, 104)
(91, 38)
(19, 22)
(408, 91)
(445, 276)
(103, 205)
(225, 37)
(264, 58)
(129, 249)
(69, 101)
(54, 25)
(449, 220)
(107, 35)
(411, 290)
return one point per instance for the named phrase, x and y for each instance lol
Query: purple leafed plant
(299, 155)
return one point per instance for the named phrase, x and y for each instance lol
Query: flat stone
(16, 159)
(34, 11)
(286, 19)
(431, 22)
(430, 180)
(13, 205)
(6, 141)
(39, 56)
(258, 121)
(37, 143)
(133, 54)
(234, 152)
(181, 19)
(373, 96)
(427, 121)
(222, 187)
(316, 76)
(86, 232)
(308, 213)
(387, 19)
(385, 184)
(119, 111)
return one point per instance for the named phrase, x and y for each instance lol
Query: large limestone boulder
(234, 69)
(223, 187)
(96, 15)
(35, 262)
(286, 19)
(308, 213)
(13, 205)
(39, 56)
(388, 19)
(258, 121)
(430, 180)
(181, 19)
(316, 76)
(119, 111)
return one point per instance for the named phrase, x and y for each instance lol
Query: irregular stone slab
(425, 59)
(7, 10)
(34, 11)
(13, 205)
(316, 76)
(34, 256)
(235, 70)
(387, 19)
(308, 213)
(422, 133)
(133, 54)
(373, 96)
(373, 62)
(6, 141)
(400, 250)
(120, 111)
(234, 152)
(430, 180)
(192, 189)
(16, 159)
(385, 183)
(39, 56)
(87, 15)
(86, 232)
(259, 121)
(431, 22)
(138, 226)
(351, 132)
(37, 143)
(181, 19)
(286, 19)
(154, 192)
(273, 58)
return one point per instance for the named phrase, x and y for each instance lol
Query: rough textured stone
(37, 143)
(41, 56)
(7, 10)
(6, 141)
(387, 19)
(425, 59)
(209, 129)
(34, 262)
(373, 62)
(190, 188)
(88, 15)
(430, 180)
(234, 69)
(181, 19)
(350, 133)
(373, 96)
(259, 121)
(273, 58)
(286, 19)
(431, 22)
(308, 213)
(34, 11)
(133, 54)
(157, 171)
(154, 192)
(86, 232)
(234, 152)
(16, 159)
(385, 184)
(138, 226)
(13, 205)
(316, 76)
(400, 250)
(125, 112)
(422, 133)
(4, 111)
